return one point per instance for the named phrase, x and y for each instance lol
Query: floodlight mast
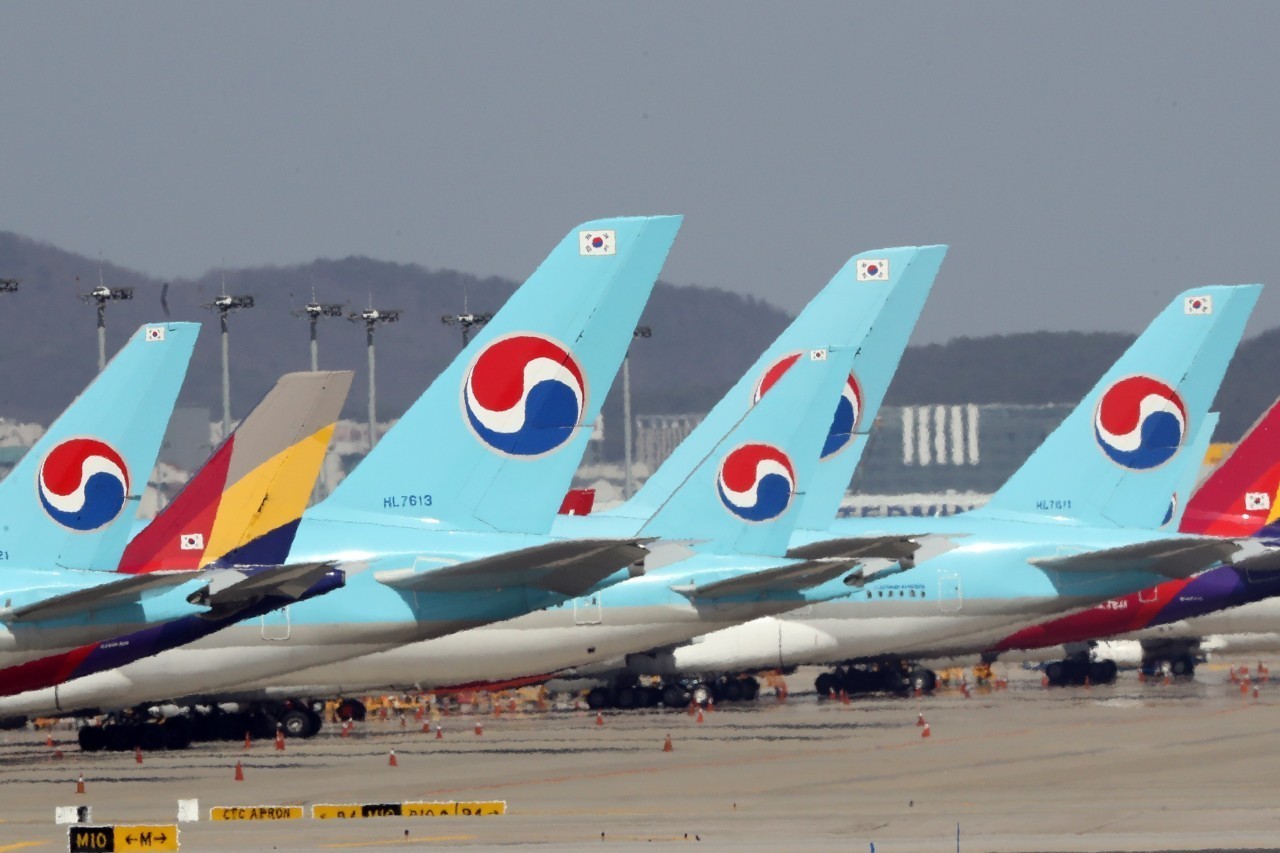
(467, 321)
(640, 332)
(372, 318)
(313, 311)
(224, 305)
(102, 295)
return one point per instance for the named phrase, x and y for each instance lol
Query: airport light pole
(224, 305)
(102, 295)
(467, 322)
(372, 318)
(314, 311)
(640, 332)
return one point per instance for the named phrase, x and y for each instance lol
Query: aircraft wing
(795, 576)
(226, 589)
(888, 547)
(1178, 557)
(569, 567)
(113, 594)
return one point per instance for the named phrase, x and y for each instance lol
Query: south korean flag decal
(603, 242)
(155, 333)
(191, 542)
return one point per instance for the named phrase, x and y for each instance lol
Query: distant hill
(703, 339)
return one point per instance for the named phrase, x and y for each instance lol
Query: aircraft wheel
(824, 684)
(177, 733)
(1056, 672)
(151, 737)
(674, 696)
(296, 723)
(1183, 666)
(626, 698)
(352, 709)
(750, 689)
(597, 698)
(731, 691)
(1102, 672)
(92, 738)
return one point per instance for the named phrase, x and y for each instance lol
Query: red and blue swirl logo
(756, 482)
(524, 395)
(848, 409)
(1140, 422)
(83, 484)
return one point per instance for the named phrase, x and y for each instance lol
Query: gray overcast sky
(1085, 161)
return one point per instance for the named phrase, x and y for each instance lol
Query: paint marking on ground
(416, 840)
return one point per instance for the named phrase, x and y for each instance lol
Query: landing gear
(889, 677)
(627, 693)
(352, 709)
(138, 729)
(1079, 669)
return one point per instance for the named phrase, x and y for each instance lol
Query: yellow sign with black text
(358, 810)
(137, 838)
(255, 813)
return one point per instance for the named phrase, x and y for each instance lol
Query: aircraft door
(949, 598)
(586, 610)
(275, 625)
(1150, 595)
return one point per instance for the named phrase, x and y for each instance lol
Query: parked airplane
(239, 512)
(861, 320)
(444, 525)
(67, 507)
(1236, 499)
(1078, 523)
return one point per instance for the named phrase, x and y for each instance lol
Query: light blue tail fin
(1186, 474)
(871, 304)
(1108, 462)
(493, 442)
(71, 501)
(742, 497)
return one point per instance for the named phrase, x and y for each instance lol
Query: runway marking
(417, 839)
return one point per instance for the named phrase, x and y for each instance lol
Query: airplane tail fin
(741, 498)
(243, 506)
(871, 304)
(1106, 463)
(90, 469)
(1187, 472)
(493, 442)
(1237, 497)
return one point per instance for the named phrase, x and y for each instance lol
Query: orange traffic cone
(964, 689)
(418, 714)
(391, 760)
(1255, 692)
(599, 719)
(782, 693)
(924, 732)
(666, 745)
(920, 719)
(48, 741)
(346, 729)
(80, 784)
(1142, 676)
(439, 733)
(1244, 687)
(1168, 679)
(699, 717)
(844, 697)
(279, 738)
(239, 772)
(137, 754)
(1233, 676)
(479, 728)
(426, 728)
(511, 706)
(1044, 681)
(247, 742)
(919, 692)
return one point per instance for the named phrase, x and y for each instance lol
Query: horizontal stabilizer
(901, 548)
(791, 577)
(127, 590)
(1175, 558)
(568, 568)
(289, 581)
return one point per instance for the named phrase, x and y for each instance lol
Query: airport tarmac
(1124, 767)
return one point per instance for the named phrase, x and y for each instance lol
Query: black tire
(177, 731)
(750, 689)
(675, 696)
(731, 691)
(352, 709)
(1056, 672)
(11, 723)
(92, 738)
(296, 723)
(120, 737)
(151, 737)
(825, 684)
(1183, 666)
(317, 721)
(626, 698)
(263, 726)
(1102, 672)
(597, 698)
